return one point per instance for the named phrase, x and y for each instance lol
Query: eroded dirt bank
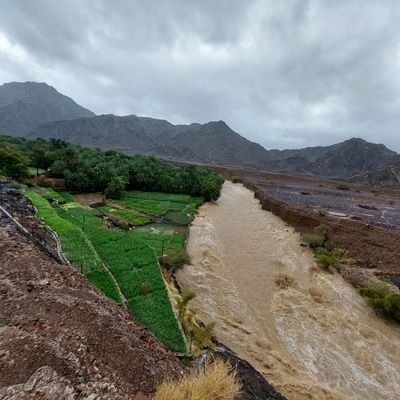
(307, 331)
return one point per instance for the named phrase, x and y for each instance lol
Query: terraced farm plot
(75, 244)
(176, 208)
(51, 195)
(131, 256)
(125, 215)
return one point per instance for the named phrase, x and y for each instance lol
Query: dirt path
(307, 331)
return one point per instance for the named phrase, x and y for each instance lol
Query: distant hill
(216, 143)
(388, 175)
(24, 106)
(213, 142)
(342, 160)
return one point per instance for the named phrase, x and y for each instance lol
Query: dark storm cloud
(282, 73)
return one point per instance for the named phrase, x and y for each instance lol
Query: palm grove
(109, 172)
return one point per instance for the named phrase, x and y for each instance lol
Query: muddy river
(307, 331)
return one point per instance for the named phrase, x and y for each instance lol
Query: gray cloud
(285, 74)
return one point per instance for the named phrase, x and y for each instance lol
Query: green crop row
(50, 194)
(75, 245)
(176, 208)
(134, 265)
(154, 207)
(158, 196)
(130, 256)
(67, 197)
(126, 215)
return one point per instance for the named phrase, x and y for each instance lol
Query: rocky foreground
(62, 339)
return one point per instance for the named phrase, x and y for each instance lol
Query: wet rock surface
(60, 338)
(254, 385)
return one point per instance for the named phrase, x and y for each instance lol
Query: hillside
(61, 336)
(24, 106)
(341, 160)
(213, 142)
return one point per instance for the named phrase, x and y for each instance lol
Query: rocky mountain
(24, 106)
(343, 160)
(211, 143)
(388, 175)
(216, 143)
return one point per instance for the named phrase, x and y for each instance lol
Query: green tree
(115, 188)
(211, 190)
(13, 163)
(39, 156)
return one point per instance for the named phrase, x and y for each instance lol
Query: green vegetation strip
(130, 257)
(177, 208)
(383, 300)
(125, 215)
(75, 245)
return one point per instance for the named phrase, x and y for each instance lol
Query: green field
(177, 208)
(131, 256)
(125, 215)
(75, 244)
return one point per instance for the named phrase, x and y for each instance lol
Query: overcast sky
(282, 73)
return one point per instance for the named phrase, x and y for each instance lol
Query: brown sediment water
(309, 332)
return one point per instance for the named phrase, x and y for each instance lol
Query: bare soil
(87, 199)
(61, 338)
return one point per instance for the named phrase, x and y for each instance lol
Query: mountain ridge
(36, 110)
(216, 143)
(212, 142)
(24, 106)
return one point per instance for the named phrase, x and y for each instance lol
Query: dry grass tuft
(217, 382)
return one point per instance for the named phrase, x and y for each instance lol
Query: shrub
(318, 238)
(314, 240)
(383, 300)
(211, 190)
(174, 259)
(202, 336)
(391, 305)
(183, 302)
(217, 382)
(13, 163)
(321, 230)
(328, 258)
(236, 179)
(342, 187)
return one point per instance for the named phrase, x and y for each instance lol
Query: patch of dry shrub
(217, 382)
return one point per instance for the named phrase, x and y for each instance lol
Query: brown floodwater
(309, 332)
